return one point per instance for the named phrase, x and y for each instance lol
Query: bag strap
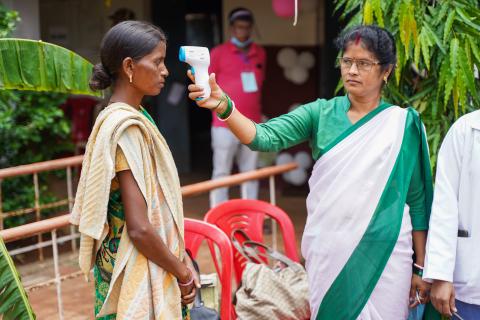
(249, 245)
(248, 253)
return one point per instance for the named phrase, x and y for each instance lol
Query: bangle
(220, 102)
(189, 283)
(416, 270)
(418, 266)
(229, 115)
(227, 111)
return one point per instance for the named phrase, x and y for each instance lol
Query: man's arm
(442, 235)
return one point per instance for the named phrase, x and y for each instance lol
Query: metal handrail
(34, 169)
(47, 225)
(51, 225)
(41, 167)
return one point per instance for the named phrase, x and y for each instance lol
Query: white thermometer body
(199, 59)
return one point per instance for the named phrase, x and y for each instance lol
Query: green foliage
(14, 303)
(32, 128)
(8, 21)
(437, 50)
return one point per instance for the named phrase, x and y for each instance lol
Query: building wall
(273, 30)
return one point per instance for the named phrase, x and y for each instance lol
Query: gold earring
(385, 79)
(131, 80)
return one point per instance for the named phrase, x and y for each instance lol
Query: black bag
(199, 311)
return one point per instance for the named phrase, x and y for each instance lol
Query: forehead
(241, 24)
(358, 50)
(158, 51)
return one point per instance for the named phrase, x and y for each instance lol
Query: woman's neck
(127, 94)
(364, 104)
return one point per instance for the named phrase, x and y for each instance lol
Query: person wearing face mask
(239, 65)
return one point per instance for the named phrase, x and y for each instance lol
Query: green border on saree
(350, 291)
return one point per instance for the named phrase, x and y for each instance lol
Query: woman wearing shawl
(370, 189)
(128, 205)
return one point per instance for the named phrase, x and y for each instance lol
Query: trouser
(467, 311)
(226, 147)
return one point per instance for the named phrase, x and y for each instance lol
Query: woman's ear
(127, 67)
(388, 71)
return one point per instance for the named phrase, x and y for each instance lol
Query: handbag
(278, 292)
(198, 310)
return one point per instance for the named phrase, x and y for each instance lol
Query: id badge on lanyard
(249, 82)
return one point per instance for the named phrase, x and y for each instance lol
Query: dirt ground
(78, 295)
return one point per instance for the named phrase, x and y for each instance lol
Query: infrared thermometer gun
(199, 59)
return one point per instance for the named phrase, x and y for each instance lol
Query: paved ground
(78, 294)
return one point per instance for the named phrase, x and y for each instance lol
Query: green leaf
(448, 26)
(468, 52)
(40, 66)
(442, 12)
(14, 303)
(466, 19)
(425, 46)
(377, 9)
(454, 47)
(467, 73)
(475, 50)
(339, 5)
(434, 38)
(367, 12)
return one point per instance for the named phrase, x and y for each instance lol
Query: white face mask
(241, 44)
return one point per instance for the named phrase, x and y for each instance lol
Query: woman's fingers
(190, 75)
(194, 88)
(187, 299)
(212, 82)
(413, 301)
(446, 308)
(423, 294)
(195, 95)
(452, 303)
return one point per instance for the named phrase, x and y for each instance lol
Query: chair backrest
(249, 215)
(195, 232)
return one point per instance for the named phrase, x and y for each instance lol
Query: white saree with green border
(357, 241)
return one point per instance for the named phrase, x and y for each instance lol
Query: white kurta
(456, 206)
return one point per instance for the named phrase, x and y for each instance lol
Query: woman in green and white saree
(370, 189)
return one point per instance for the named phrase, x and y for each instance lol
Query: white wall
(29, 26)
(274, 30)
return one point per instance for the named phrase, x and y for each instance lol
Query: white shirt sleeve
(443, 230)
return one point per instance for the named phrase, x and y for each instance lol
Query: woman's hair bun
(100, 79)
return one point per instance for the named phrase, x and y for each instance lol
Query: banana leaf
(14, 303)
(41, 66)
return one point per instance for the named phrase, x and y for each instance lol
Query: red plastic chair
(249, 215)
(195, 232)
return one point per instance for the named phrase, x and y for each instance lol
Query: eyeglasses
(362, 64)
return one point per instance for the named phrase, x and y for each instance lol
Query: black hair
(134, 39)
(242, 14)
(377, 40)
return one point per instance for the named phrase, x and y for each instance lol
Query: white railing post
(70, 205)
(58, 281)
(273, 200)
(37, 211)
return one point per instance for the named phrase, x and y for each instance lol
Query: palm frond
(41, 66)
(14, 303)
